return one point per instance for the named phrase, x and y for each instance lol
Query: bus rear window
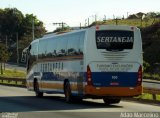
(114, 39)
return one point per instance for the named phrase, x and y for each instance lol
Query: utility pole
(17, 49)
(85, 23)
(95, 18)
(116, 21)
(88, 21)
(33, 28)
(104, 18)
(127, 14)
(80, 26)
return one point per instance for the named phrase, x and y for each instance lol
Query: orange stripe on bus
(53, 85)
(113, 91)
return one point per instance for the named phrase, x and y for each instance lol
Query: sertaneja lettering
(114, 39)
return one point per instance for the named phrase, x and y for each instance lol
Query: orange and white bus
(98, 62)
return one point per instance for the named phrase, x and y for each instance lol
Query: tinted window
(51, 47)
(62, 46)
(114, 40)
(73, 44)
(33, 53)
(42, 48)
(82, 34)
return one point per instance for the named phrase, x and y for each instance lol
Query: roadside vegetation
(147, 96)
(8, 73)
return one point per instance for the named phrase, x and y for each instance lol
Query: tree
(13, 22)
(60, 29)
(27, 23)
(4, 56)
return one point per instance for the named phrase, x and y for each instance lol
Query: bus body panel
(113, 72)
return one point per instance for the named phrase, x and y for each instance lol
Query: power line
(60, 24)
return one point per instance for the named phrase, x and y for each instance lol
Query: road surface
(23, 103)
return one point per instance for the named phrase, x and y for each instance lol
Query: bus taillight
(97, 27)
(132, 28)
(139, 76)
(89, 76)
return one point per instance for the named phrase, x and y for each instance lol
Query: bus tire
(67, 92)
(109, 101)
(36, 89)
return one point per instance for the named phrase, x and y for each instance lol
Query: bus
(100, 62)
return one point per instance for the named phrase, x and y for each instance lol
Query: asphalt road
(24, 104)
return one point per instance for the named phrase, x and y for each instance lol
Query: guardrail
(152, 90)
(19, 82)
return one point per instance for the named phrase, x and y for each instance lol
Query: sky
(74, 12)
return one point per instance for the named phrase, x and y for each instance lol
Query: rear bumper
(113, 91)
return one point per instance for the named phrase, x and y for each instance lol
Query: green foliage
(4, 56)
(153, 76)
(13, 73)
(130, 22)
(148, 96)
(145, 66)
(64, 29)
(12, 21)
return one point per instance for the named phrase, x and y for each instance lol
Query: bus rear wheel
(109, 101)
(67, 92)
(36, 89)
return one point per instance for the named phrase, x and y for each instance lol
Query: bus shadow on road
(47, 103)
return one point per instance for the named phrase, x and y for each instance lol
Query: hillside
(151, 45)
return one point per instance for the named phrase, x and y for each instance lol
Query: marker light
(89, 77)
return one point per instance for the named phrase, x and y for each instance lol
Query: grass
(148, 96)
(11, 83)
(154, 76)
(8, 73)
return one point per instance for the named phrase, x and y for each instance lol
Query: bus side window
(62, 47)
(62, 66)
(73, 44)
(42, 53)
(53, 67)
(51, 47)
(82, 37)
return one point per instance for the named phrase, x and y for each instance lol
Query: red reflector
(114, 83)
(132, 28)
(97, 27)
(139, 76)
(89, 77)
